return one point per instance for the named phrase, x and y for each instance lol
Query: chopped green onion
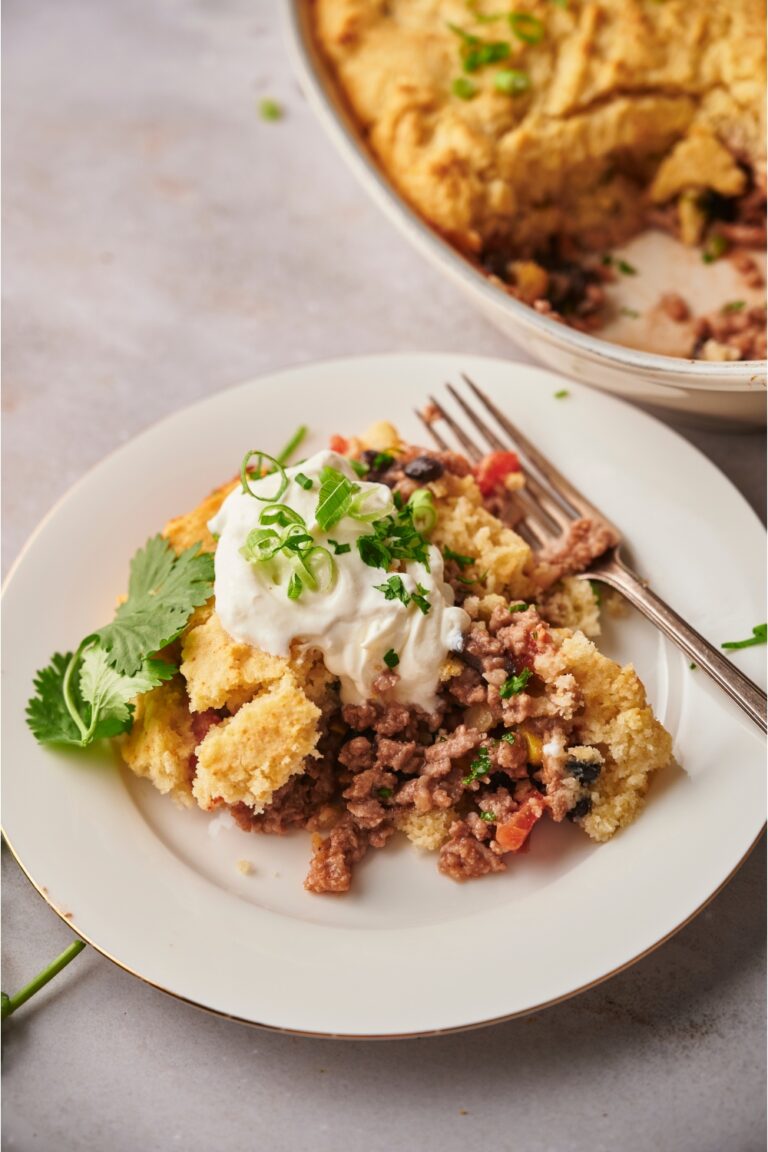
(295, 586)
(489, 53)
(391, 658)
(298, 438)
(281, 514)
(304, 481)
(336, 492)
(244, 476)
(526, 27)
(715, 247)
(423, 512)
(339, 549)
(511, 81)
(464, 88)
(359, 468)
(270, 109)
(513, 685)
(759, 636)
(467, 37)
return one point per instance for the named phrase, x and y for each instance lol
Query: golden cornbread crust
(268, 738)
(632, 114)
(672, 93)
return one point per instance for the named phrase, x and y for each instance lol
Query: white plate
(408, 951)
(728, 395)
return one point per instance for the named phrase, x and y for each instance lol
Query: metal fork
(550, 504)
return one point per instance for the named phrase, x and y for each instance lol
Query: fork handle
(739, 687)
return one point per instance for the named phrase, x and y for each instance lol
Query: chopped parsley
(521, 607)
(391, 658)
(715, 247)
(394, 589)
(462, 561)
(508, 737)
(488, 817)
(480, 766)
(384, 793)
(759, 636)
(514, 684)
(339, 549)
(561, 394)
(393, 538)
(511, 81)
(623, 266)
(734, 306)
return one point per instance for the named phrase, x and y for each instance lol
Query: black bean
(580, 808)
(424, 468)
(586, 773)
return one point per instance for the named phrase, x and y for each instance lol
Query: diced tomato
(513, 833)
(339, 444)
(493, 470)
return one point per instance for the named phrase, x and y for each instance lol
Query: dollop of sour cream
(351, 622)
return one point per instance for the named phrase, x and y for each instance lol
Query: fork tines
(549, 501)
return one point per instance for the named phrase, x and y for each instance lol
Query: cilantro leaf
(163, 590)
(515, 684)
(47, 712)
(109, 696)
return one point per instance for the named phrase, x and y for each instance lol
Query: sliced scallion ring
(245, 478)
(369, 506)
(423, 512)
(281, 514)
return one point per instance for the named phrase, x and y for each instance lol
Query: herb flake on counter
(391, 658)
(515, 684)
(759, 636)
(270, 109)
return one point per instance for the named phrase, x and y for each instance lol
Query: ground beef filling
(493, 757)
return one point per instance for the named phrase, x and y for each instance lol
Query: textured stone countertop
(162, 241)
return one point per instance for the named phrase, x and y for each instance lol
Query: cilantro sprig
(89, 694)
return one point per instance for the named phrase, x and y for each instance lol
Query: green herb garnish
(394, 589)
(304, 481)
(489, 53)
(526, 27)
(509, 737)
(630, 313)
(597, 591)
(464, 88)
(391, 658)
(270, 109)
(11, 1003)
(561, 394)
(734, 306)
(488, 817)
(246, 475)
(336, 492)
(88, 695)
(521, 607)
(462, 561)
(480, 766)
(382, 461)
(623, 266)
(339, 549)
(514, 684)
(511, 81)
(423, 511)
(759, 636)
(693, 667)
(384, 793)
(715, 247)
(288, 450)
